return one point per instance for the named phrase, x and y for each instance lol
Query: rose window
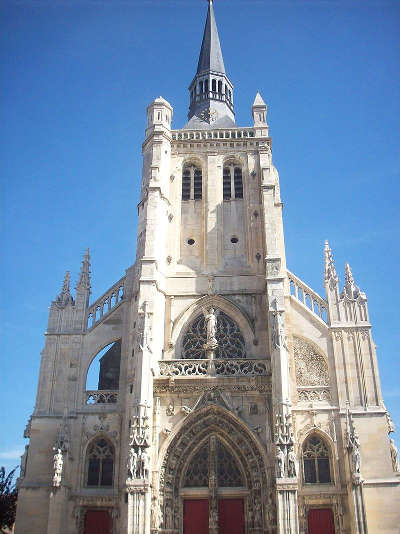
(229, 339)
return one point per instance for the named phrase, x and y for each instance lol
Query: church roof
(210, 54)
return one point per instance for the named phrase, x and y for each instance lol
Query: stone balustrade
(234, 133)
(308, 297)
(107, 302)
(101, 396)
(228, 367)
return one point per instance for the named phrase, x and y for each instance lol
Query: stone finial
(84, 276)
(350, 289)
(329, 271)
(65, 296)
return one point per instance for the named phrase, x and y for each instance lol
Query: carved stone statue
(278, 331)
(168, 516)
(280, 463)
(132, 463)
(292, 463)
(156, 515)
(356, 456)
(211, 326)
(144, 464)
(394, 454)
(58, 466)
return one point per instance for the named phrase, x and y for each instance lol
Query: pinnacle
(258, 101)
(330, 271)
(84, 276)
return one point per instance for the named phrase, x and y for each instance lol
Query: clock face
(208, 115)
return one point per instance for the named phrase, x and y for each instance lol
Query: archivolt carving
(311, 367)
(214, 420)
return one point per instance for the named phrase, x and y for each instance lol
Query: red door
(320, 521)
(195, 516)
(97, 522)
(230, 516)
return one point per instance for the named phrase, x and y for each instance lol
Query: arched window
(100, 463)
(192, 183)
(224, 467)
(232, 182)
(214, 85)
(219, 86)
(229, 338)
(206, 86)
(316, 464)
(201, 87)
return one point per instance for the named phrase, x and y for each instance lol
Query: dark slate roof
(210, 54)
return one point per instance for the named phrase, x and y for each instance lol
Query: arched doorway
(213, 478)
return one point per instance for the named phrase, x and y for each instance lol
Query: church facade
(231, 398)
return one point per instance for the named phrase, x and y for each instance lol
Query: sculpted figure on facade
(58, 462)
(280, 463)
(156, 514)
(292, 465)
(278, 331)
(394, 454)
(132, 463)
(211, 326)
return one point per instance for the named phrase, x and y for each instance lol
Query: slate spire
(210, 57)
(211, 91)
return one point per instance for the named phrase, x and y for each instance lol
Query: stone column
(138, 507)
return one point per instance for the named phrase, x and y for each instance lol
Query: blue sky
(76, 79)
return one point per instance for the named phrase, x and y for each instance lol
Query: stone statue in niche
(280, 463)
(211, 326)
(394, 454)
(156, 515)
(144, 464)
(132, 463)
(170, 411)
(58, 462)
(356, 456)
(168, 516)
(292, 463)
(278, 331)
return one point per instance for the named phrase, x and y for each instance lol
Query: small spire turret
(350, 289)
(84, 276)
(65, 296)
(329, 271)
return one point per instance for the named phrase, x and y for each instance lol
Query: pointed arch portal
(213, 478)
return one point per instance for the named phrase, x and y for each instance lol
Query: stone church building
(231, 397)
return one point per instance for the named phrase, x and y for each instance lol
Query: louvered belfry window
(232, 182)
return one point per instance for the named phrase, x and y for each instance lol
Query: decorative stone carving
(58, 462)
(311, 395)
(353, 446)
(132, 463)
(156, 514)
(170, 411)
(394, 455)
(280, 462)
(186, 410)
(311, 367)
(278, 330)
(138, 464)
(232, 367)
(390, 424)
(273, 266)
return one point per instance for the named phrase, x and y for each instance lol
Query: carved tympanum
(311, 367)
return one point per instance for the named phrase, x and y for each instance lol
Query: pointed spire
(211, 91)
(84, 277)
(350, 288)
(258, 101)
(330, 271)
(210, 57)
(65, 296)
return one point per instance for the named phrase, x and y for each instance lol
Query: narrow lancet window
(100, 464)
(232, 182)
(316, 465)
(192, 183)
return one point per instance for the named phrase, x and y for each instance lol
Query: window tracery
(232, 182)
(227, 471)
(192, 183)
(100, 463)
(316, 464)
(311, 367)
(228, 335)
